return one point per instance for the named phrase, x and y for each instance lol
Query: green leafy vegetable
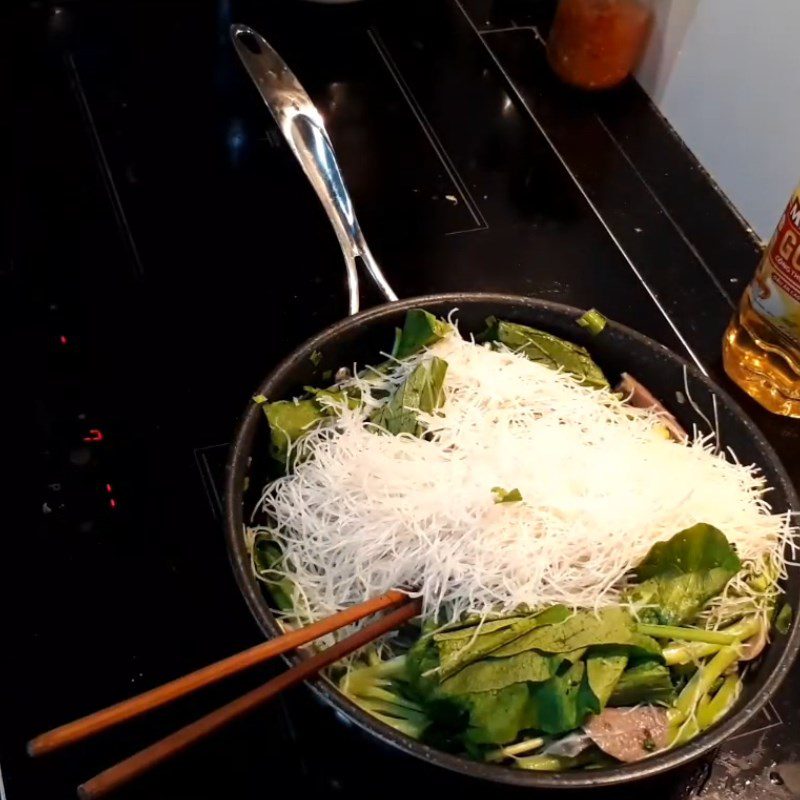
(483, 628)
(489, 674)
(502, 496)
(421, 391)
(288, 421)
(783, 620)
(555, 703)
(497, 717)
(267, 558)
(315, 358)
(645, 682)
(327, 399)
(611, 625)
(681, 575)
(701, 547)
(553, 615)
(455, 654)
(421, 329)
(593, 321)
(565, 701)
(601, 676)
(544, 348)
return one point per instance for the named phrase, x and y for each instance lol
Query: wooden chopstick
(121, 773)
(147, 701)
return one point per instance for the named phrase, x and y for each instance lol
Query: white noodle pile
(363, 512)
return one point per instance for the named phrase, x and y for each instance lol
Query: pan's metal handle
(302, 125)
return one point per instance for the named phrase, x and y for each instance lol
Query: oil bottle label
(775, 291)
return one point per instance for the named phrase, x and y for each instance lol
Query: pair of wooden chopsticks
(184, 738)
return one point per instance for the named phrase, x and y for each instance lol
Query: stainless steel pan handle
(302, 125)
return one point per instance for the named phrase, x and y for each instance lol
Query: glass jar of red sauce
(595, 44)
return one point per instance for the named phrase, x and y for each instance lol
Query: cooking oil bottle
(761, 348)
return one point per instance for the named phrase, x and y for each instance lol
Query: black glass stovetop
(163, 251)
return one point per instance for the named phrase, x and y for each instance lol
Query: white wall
(726, 74)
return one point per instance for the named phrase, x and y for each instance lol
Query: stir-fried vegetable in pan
(594, 580)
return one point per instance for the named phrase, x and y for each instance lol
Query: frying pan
(360, 337)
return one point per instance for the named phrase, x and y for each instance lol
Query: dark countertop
(163, 251)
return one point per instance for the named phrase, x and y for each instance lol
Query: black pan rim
(236, 470)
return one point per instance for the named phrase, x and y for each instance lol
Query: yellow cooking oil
(761, 348)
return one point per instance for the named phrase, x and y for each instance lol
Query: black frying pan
(361, 337)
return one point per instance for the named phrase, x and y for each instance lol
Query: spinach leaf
(489, 674)
(455, 654)
(420, 329)
(553, 615)
(470, 722)
(324, 398)
(783, 621)
(497, 717)
(563, 703)
(493, 716)
(467, 631)
(555, 702)
(549, 350)
(603, 670)
(423, 390)
(502, 496)
(681, 575)
(611, 625)
(701, 547)
(645, 682)
(288, 421)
